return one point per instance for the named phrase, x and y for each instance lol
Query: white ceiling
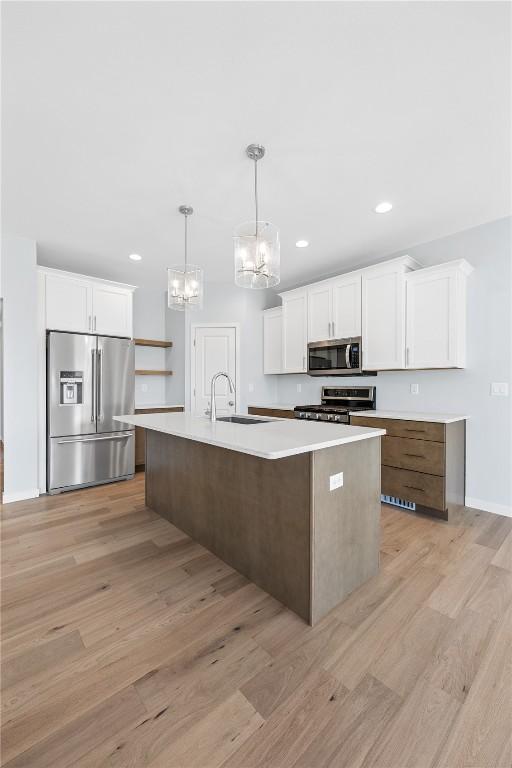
(114, 114)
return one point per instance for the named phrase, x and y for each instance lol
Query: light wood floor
(126, 644)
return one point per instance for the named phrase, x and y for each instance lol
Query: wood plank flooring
(125, 644)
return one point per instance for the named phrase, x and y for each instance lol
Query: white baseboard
(31, 493)
(489, 506)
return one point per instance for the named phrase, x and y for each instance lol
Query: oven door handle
(347, 355)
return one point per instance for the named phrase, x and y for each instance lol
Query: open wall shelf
(144, 372)
(152, 343)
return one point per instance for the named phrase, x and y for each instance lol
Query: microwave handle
(347, 355)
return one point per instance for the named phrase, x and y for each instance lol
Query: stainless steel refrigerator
(90, 379)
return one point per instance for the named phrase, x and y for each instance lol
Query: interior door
(115, 382)
(214, 350)
(71, 357)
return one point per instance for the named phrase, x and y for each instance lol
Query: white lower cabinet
(436, 322)
(273, 340)
(295, 334)
(81, 304)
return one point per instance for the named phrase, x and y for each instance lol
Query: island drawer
(426, 490)
(422, 430)
(418, 455)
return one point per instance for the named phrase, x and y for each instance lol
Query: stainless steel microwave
(336, 357)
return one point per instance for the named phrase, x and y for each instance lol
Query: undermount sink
(244, 420)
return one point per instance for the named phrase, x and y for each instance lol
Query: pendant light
(185, 282)
(257, 250)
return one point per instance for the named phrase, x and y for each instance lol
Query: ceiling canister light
(185, 281)
(256, 243)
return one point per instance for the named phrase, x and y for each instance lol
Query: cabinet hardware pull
(414, 488)
(304, 362)
(333, 331)
(415, 455)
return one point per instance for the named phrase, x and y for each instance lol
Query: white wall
(225, 303)
(20, 370)
(149, 323)
(489, 458)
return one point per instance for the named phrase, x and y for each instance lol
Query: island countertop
(270, 439)
(436, 418)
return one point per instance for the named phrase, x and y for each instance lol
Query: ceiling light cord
(186, 240)
(256, 192)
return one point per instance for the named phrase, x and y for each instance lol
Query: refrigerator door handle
(93, 439)
(93, 386)
(99, 393)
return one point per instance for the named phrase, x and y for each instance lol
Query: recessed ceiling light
(135, 257)
(383, 208)
(302, 243)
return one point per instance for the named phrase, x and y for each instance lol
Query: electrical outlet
(299, 387)
(336, 481)
(415, 388)
(499, 388)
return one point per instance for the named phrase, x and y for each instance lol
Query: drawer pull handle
(414, 455)
(414, 430)
(413, 488)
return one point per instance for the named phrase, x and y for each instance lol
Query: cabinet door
(273, 341)
(319, 312)
(112, 310)
(383, 327)
(346, 307)
(433, 319)
(295, 332)
(68, 304)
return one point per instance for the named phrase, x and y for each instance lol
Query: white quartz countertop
(150, 406)
(438, 418)
(268, 440)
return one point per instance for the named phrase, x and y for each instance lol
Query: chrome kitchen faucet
(213, 407)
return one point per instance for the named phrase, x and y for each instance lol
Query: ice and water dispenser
(71, 387)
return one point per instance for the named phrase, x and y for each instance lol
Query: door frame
(193, 328)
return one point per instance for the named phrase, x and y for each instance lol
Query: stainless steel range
(337, 402)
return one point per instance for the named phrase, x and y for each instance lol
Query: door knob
(231, 402)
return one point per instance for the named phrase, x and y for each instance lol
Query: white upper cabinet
(383, 314)
(334, 308)
(436, 316)
(68, 304)
(319, 312)
(84, 305)
(295, 305)
(273, 340)
(112, 310)
(346, 306)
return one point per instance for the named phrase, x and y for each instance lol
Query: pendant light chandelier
(257, 250)
(185, 282)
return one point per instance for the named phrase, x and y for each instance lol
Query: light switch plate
(415, 388)
(144, 387)
(299, 387)
(251, 387)
(499, 388)
(336, 481)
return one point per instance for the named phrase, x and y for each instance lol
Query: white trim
(31, 493)
(489, 506)
(193, 328)
(87, 278)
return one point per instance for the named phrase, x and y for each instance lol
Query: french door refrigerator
(90, 379)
